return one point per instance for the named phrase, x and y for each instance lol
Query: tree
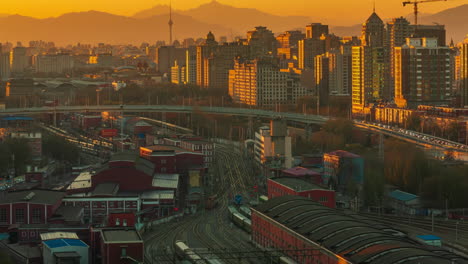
(413, 122)
(60, 149)
(452, 131)
(19, 149)
(405, 165)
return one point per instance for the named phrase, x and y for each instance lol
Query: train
(245, 211)
(183, 252)
(239, 220)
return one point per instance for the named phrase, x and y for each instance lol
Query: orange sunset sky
(332, 11)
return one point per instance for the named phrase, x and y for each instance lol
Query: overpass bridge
(438, 149)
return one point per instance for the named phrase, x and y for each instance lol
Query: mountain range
(151, 25)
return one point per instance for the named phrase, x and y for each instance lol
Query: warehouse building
(309, 232)
(292, 186)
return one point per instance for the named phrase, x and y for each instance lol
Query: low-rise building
(404, 203)
(342, 169)
(291, 186)
(64, 247)
(121, 246)
(28, 207)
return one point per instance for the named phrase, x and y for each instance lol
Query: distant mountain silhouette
(239, 20)
(151, 25)
(95, 27)
(454, 19)
(154, 11)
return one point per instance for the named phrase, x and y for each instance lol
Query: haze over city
(234, 132)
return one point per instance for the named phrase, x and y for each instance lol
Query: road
(208, 229)
(460, 151)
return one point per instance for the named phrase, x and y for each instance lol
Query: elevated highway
(438, 147)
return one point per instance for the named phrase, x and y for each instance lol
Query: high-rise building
(19, 59)
(54, 63)
(307, 50)
(422, 73)
(166, 57)
(339, 70)
(260, 82)
(214, 62)
(316, 30)
(361, 79)
(191, 65)
(368, 76)
(464, 72)
(262, 42)
(288, 44)
(397, 31)
(430, 31)
(373, 31)
(178, 74)
(321, 73)
(4, 65)
(289, 39)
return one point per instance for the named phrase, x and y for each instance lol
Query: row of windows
(36, 215)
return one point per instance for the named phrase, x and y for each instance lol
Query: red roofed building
(292, 186)
(303, 173)
(127, 183)
(28, 207)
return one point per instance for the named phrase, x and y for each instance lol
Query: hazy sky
(334, 10)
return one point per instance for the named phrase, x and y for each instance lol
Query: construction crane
(415, 4)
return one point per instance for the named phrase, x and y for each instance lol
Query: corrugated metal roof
(34, 197)
(58, 235)
(347, 235)
(82, 181)
(166, 181)
(158, 195)
(402, 196)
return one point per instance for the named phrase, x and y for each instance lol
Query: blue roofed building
(60, 247)
(430, 240)
(404, 203)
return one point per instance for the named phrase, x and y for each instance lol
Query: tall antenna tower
(171, 23)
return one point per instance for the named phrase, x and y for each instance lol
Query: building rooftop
(121, 236)
(402, 196)
(158, 195)
(297, 185)
(82, 181)
(34, 197)
(343, 153)
(300, 172)
(106, 189)
(70, 213)
(64, 242)
(350, 236)
(166, 180)
(58, 235)
(167, 148)
(124, 156)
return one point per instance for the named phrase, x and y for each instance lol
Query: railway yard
(208, 232)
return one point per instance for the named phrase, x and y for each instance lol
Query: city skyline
(324, 11)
